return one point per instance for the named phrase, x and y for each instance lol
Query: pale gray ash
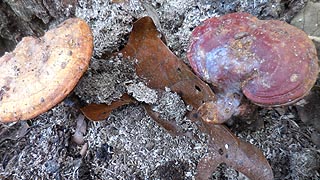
(105, 81)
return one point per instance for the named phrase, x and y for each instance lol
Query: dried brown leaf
(242, 156)
(99, 112)
(161, 68)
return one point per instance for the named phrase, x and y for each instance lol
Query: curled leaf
(161, 68)
(99, 112)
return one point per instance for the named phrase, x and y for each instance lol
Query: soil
(129, 144)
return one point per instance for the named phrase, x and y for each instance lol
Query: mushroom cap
(270, 61)
(41, 72)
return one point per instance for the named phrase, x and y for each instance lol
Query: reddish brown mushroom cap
(290, 67)
(271, 62)
(41, 72)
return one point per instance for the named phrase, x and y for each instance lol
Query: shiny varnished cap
(271, 62)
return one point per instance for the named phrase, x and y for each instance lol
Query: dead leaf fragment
(40, 72)
(99, 112)
(224, 147)
(161, 68)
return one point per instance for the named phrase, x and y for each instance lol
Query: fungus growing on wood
(268, 61)
(41, 72)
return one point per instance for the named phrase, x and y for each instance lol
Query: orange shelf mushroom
(41, 72)
(268, 61)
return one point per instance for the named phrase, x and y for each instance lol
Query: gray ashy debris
(45, 152)
(142, 93)
(140, 147)
(105, 81)
(110, 22)
(170, 106)
(304, 163)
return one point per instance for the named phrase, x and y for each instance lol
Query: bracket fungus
(269, 62)
(41, 72)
